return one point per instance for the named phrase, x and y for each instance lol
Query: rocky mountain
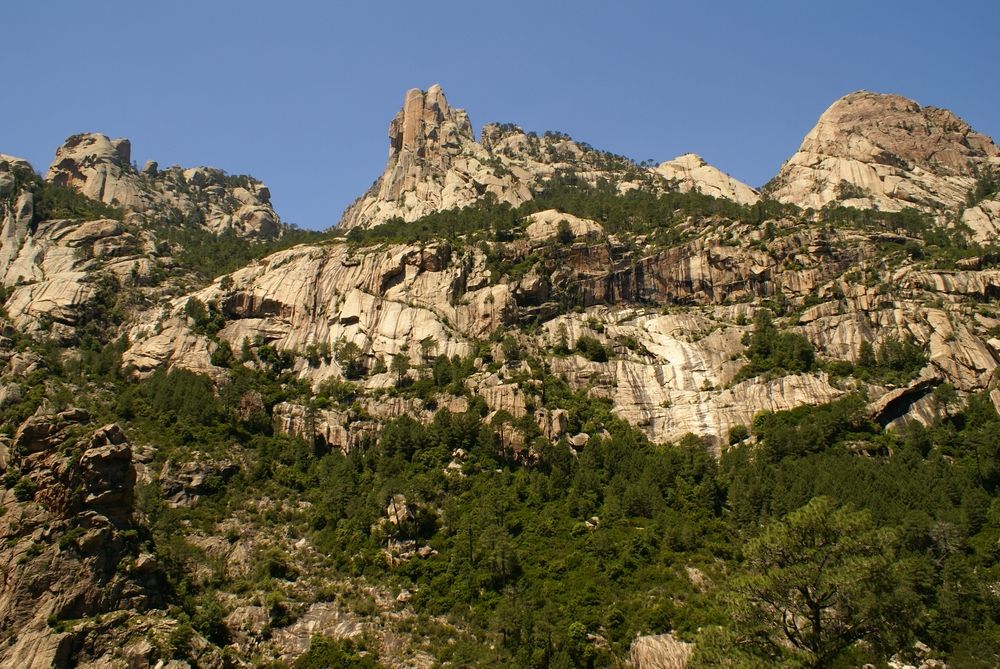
(435, 164)
(101, 169)
(559, 416)
(690, 172)
(870, 150)
(95, 221)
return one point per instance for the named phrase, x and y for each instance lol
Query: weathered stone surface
(873, 150)
(100, 168)
(544, 225)
(83, 484)
(385, 300)
(660, 651)
(984, 220)
(692, 173)
(53, 272)
(435, 163)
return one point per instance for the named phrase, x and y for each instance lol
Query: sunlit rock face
(873, 150)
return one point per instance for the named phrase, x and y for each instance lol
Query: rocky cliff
(886, 151)
(671, 370)
(70, 548)
(58, 257)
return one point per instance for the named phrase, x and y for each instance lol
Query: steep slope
(435, 164)
(70, 243)
(886, 151)
(69, 549)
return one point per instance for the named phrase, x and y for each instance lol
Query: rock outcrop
(67, 552)
(661, 651)
(384, 300)
(16, 206)
(435, 163)
(690, 172)
(983, 218)
(54, 268)
(61, 266)
(885, 151)
(544, 225)
(101, 169)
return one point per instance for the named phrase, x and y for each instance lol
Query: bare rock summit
(692, 173)
(871, 150)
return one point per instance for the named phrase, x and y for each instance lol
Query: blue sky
(300, 94)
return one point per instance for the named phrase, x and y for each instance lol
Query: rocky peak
(424, 137)
(100, 168)
(12, 170)
(435, 163)
(886, 151)
(427, 127)
(691, 172)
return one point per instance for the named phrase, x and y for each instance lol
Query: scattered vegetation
(772, 350)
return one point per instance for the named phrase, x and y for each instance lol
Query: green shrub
(591, 348)
(24, 490)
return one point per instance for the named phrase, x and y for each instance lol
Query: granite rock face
(692, 173)
(52, 267)
(435, 163)
(66, 552)
(670, 371)
(384, 300)
(56, 269)
(886, 151)
(101, 169)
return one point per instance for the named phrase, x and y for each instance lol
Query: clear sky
(300, 94)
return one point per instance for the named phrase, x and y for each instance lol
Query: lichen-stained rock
(691, 173)
(384, 299)
(873, 150)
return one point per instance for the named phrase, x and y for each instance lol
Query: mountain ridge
(551, 420)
